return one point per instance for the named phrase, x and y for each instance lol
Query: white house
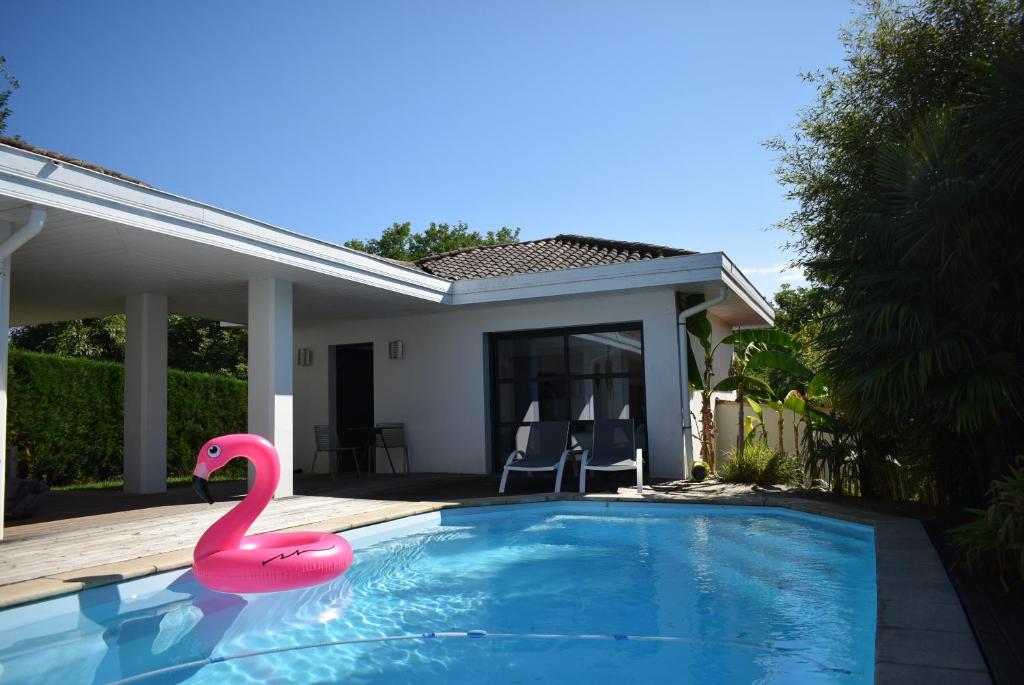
(490, 338)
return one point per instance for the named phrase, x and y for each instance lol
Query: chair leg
(355, 458)
(558, 476)
(639, 475)
(391, 463)
(316, 453)
(583, 479)
(504, 479)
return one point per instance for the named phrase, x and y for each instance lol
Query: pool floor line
(478, 634)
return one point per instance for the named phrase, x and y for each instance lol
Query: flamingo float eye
(213, 451)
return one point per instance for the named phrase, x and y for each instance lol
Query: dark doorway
(353, 401)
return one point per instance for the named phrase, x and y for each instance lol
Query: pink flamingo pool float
(228, 560)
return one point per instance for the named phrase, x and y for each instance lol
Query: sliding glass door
(568, 374)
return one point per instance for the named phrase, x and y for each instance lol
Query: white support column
(145, 393)
(270, 371)
(5, 322)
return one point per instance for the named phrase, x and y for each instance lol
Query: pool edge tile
(28, 591)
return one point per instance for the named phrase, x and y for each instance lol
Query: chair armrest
(565, 455)
(512, 457)
(583, 458)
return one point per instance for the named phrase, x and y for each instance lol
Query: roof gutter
(684, 370)
(29, 230)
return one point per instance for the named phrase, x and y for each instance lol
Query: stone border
(922, 633)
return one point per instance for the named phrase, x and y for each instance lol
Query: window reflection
(605, 352)
(577, 375)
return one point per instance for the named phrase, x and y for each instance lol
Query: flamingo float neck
(228, 531)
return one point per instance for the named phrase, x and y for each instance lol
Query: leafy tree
(907, 171)
(204, 345)
(5, 95)
(399, 242)
(903, 59)
(101, 338)
(192, 344)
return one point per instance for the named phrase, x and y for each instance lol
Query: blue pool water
(700, 594)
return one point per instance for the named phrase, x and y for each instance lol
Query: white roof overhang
(105, 238)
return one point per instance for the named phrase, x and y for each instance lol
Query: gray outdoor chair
(613, 449)
(388, 436)
(545, 451)
(322, 436)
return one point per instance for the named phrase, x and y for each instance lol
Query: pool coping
(922, 633)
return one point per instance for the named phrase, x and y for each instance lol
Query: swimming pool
(560, 592)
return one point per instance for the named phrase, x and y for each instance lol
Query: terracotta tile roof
(22, 145)
(549, 254)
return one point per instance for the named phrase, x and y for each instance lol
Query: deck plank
(50, 547)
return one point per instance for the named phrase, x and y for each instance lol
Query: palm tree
(926, 341)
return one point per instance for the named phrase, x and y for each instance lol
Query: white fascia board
(591, 279)
(711, 267)
(737, 281)
(37, 179)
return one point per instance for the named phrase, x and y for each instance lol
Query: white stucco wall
(727, 416)
(440, 389)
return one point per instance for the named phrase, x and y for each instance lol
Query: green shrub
(998, 531)
(761, 465)
(66, 416)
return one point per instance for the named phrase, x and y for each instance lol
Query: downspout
(22, 235)
(29, 230)
(684, 370)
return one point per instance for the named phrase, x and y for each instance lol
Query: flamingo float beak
(202, 488)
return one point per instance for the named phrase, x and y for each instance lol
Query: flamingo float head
(216, 453)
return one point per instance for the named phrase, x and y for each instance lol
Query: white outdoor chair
(613, 449)
(545, 451)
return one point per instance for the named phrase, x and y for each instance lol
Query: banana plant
(754, 352)
(818, 408)
(797, 405)
(699, 327)
(755, 423)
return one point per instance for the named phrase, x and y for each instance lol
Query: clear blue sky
(631, 120)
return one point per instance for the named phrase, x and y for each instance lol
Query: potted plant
(699, 472)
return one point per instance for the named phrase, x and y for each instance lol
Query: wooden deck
(77, 530)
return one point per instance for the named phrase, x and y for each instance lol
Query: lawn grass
(118, 483)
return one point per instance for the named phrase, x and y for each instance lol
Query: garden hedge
(65, 416)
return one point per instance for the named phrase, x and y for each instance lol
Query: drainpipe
(684, 370)
(21, 236)
(29, 230)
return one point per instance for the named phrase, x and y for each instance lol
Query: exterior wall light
(305, 356)
(396, 350)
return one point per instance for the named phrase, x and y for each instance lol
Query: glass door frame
(497, 460)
